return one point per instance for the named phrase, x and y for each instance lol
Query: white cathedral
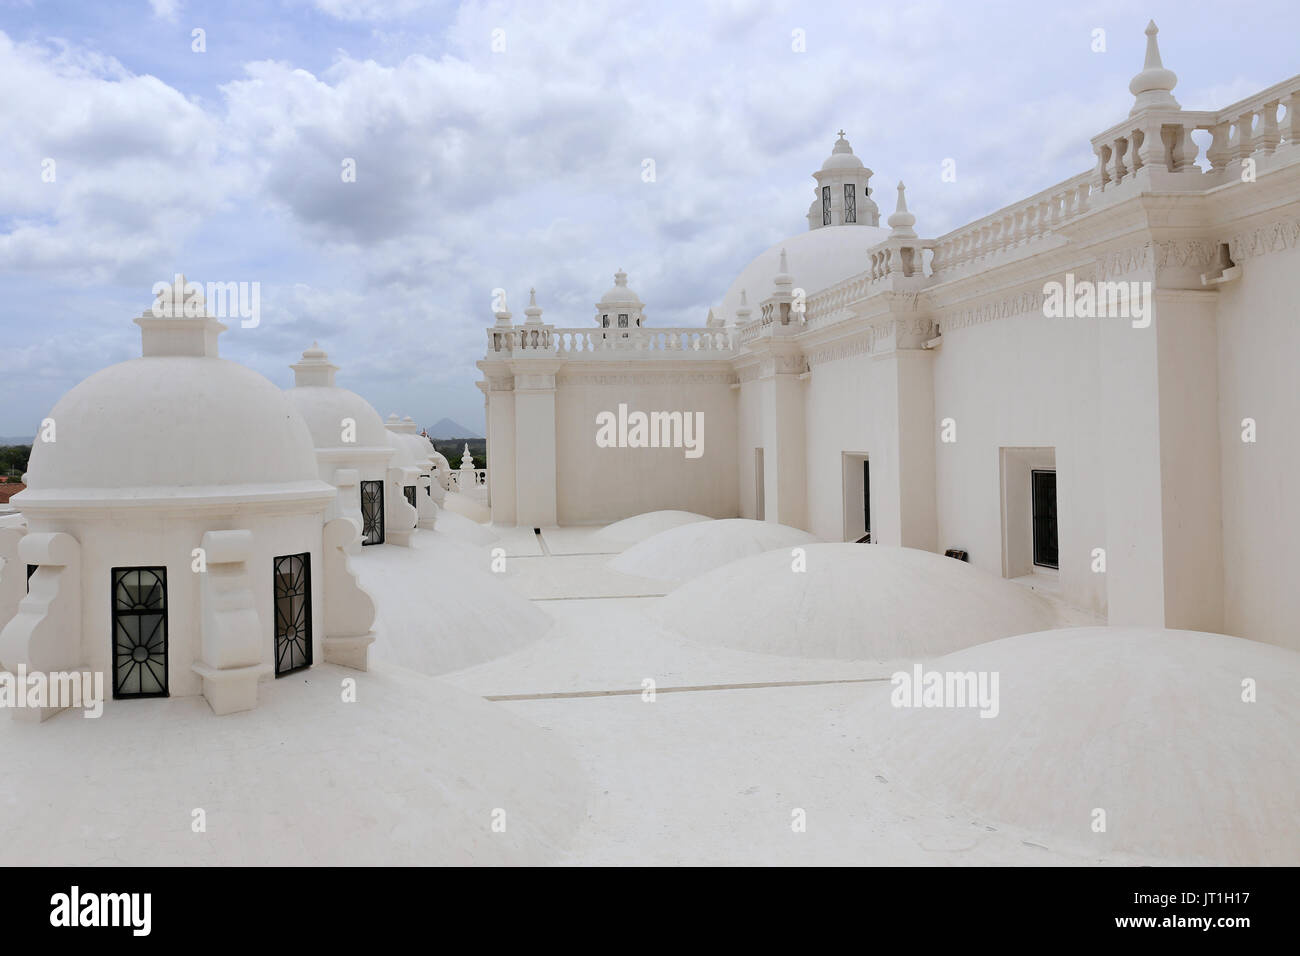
(1090, 391)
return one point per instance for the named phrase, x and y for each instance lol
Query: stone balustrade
(1161, 139)
(1019, 224)
(597, 342)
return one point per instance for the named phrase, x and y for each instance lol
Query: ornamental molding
(847, 348)
(1007, 307)
(650, 378)
(1263, 240)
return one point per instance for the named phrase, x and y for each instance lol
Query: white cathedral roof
(817, 258)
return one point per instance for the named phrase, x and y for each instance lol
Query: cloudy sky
(502, 145)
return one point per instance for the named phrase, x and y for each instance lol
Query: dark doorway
(866, 500)
(372, 512)
(139, 632)
(292, 613)
(1044, 509)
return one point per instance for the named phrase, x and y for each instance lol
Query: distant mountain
(446, 428)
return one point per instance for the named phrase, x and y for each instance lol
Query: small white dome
(324, 408)
(842, 157)
(818, 258)
(696, 547)
(173, 426)
(619, 294)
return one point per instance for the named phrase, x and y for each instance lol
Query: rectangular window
(139, 632)
(408, 491)
(372, 512)
(622, 321)
(1044, 512)
(850, 204)
(292, 587)
(826, 205)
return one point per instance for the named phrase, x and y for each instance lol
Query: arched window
(372, 512)
(292, 613)
(139, 632)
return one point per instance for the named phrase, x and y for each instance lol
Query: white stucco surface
(1145, 724)
(623, 534)
(441, 608)
(855, 602)
(397, 777)
(682, 553)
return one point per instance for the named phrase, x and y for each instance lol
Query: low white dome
(623, 534)
(818, 258)
(1148, 725)
(696, 547)
(173, 426)
(853, 602)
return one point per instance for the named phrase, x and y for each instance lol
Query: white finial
(902, 221)
(467, 460)
(783, 280)
(1153, 85)
(743, 312)
(534, 311)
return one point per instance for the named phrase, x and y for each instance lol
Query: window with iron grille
(622, 321)
(372, 512)
(292, 613)
(826, 205)
(409, 492)
(139, 607)
(1046, 552)
(850, 203)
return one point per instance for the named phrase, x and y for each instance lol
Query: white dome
(853, 602)
(842, 157)
(818, 258)
(623, 534)
(1148, 725)
(619, 295)
(324, 408)
(173, 426)
(696, 547)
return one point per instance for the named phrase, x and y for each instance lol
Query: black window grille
(139, 632)
(372, 512)
(409, 492)
(850, 203)
(826, 205)
(604, 321)
(622, 321)
(292, 613)
(1044, 508)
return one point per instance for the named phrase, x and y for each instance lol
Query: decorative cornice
(651, 378)
(863, 344)
(1274, 237)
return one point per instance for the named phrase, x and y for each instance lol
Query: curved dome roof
(842, 157)
(412, 450)
(324, 408)
(818, 258)
(619, 294)
(1148, 724)
(171, 426)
